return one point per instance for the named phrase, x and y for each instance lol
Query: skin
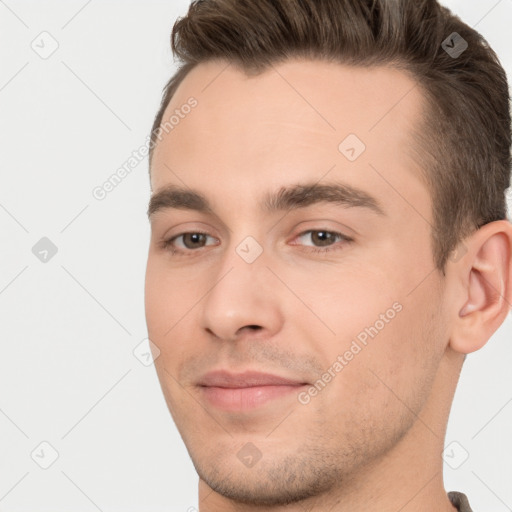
(372, 439)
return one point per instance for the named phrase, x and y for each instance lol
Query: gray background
(69, 326)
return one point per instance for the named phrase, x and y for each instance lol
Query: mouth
(245, 391)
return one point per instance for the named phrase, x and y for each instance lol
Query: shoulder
(460, 501)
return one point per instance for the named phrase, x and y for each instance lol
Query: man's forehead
(316, 83)
(297, 103)
(298, 115)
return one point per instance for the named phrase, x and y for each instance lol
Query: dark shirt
(460, 501)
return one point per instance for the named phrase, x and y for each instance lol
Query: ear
(482, 281)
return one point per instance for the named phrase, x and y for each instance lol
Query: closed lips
(225, 379)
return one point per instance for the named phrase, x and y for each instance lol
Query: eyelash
(168, 244)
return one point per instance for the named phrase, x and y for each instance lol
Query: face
(307, 257)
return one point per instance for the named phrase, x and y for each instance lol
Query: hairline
(183, 72)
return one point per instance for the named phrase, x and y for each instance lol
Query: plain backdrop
(80, 82)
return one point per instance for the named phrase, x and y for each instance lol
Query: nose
(242, 301)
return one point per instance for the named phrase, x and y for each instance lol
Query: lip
(247, 379)
(248, 390)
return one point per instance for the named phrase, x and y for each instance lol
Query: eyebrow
(286, 198)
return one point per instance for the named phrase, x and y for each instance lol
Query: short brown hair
(465, 138)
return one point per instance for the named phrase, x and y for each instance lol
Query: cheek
(341, 304)
(155, 292)
(390, 341)
(171, 306)
(164, 302)
(378, 394)
(166, 297)
(394, 373)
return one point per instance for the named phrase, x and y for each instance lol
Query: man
(329, 240)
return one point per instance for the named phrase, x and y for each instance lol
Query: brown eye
(194, 240)
(322, 241)
(321, 238)
(188, 242)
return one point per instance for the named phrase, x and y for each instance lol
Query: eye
(186, 242)
(323, 240)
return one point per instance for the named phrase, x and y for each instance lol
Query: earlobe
(484, 279)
